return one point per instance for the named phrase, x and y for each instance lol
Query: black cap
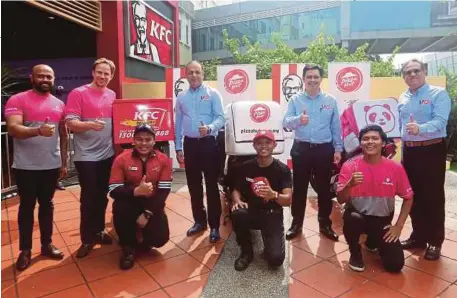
(144, 127)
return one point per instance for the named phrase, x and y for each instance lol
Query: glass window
(187, 34)
(180, 29)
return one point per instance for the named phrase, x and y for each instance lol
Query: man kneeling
(263, 185)
(368, 184)
(140, 183)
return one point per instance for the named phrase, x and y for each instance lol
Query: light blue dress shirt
(430, 107)
(324, 120)
(194, 106)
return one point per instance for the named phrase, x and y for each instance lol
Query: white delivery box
(245, 118)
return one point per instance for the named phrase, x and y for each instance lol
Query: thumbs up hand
(304, 118)
(144, 189)
(412, 127)
(47, 130)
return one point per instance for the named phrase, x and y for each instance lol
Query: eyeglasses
(413, 71)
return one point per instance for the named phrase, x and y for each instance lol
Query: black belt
(271, 210)
(200, 139)
(313, 145)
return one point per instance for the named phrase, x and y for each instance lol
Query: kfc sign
(349, 79)
(260, 113)
(236, 81)
(151, 34)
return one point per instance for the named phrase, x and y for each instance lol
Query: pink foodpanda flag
(350, 130)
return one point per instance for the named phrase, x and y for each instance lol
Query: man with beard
(424, 111)
(89, 116)
(314, 116)
(368, 185)
(142, 47)
(199, 117)
(140, 183)
(32, 117)
(263, 186)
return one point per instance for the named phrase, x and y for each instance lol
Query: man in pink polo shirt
(368, 184)
(88, 115)
(32, 117)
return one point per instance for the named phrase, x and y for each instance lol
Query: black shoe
(214, 235)
(412, 243)
(244, 260)
(328, 232)
(356, 262)
(127, 259)
(84, 250)
(24, 260)
(103, 238)
(52, 252)
(293, 232)
(60, 186)
(370, 247)
(196, 228)
(432, 253)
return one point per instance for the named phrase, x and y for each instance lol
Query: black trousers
(94, 180)
(392, 256)
(125, 213)
(310, 158)
(271, 225)
(202, 156)
(426, 169)
(33, 185)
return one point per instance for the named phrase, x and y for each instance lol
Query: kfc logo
(236, 81)
(257, 183)
(182, 84)
(291, 85)
(349, 79)
(380, 115)
(152, 116)
(260, 113)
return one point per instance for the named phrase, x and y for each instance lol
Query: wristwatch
(147, 214)
(276, 195)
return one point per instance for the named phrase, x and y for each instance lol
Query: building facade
(186, 15)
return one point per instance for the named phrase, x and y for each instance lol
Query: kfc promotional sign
(349, 83)
(128, 113)
(236, 82)
(150, 34)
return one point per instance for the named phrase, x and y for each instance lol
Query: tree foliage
(210, 68)
(321, 50)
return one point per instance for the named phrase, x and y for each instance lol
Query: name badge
(133, 168)
(204, 97)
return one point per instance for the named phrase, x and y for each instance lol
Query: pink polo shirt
(87, 104)
(36, 153)
(381, 183)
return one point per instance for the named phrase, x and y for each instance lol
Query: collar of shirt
(196, 90)
(419, 90)
(136, 154)
(313, 97)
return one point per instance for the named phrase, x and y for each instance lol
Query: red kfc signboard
(128, 113)
(151, 34)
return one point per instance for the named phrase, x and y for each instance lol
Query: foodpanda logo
(349, 79)
(380, 115)
(236, 81)
(260, 113)
(182, 84)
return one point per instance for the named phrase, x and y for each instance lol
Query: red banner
(151, 34)
(128, 113)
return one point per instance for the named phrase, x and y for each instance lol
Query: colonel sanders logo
(236, 81)
(380, 115)
(349, 79)
(291, 85)
(260, 113)
(182, 84)
(257, 183)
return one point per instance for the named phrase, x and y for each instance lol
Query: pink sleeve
(73, 109)
(404, 189)
(344, 176)
(14, 106)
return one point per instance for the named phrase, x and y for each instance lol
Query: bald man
(35, 121)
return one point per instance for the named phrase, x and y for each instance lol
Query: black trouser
(310, 158)
(93, 179)
(33, 185)
(125, 214)
(270, 223)
(392, 256)
(202, 155)
(426, 169)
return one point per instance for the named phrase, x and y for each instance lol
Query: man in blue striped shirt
(313, 115)
(424, 111)
(199, 117)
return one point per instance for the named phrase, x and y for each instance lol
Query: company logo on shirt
(204, 97)
(387, 181)
(349, 79)
(260, 113)
(236, 81)
(258, 183)
(424, 101)
(133, 169)
(326, 107)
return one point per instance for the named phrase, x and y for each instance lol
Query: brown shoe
(24, 260)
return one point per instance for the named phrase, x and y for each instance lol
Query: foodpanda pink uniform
(94, 153)
(36, 163)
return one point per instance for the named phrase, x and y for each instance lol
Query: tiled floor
(318, 267)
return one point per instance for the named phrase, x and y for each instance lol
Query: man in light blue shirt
(424, 111)
(313, 115)
(199, 117)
